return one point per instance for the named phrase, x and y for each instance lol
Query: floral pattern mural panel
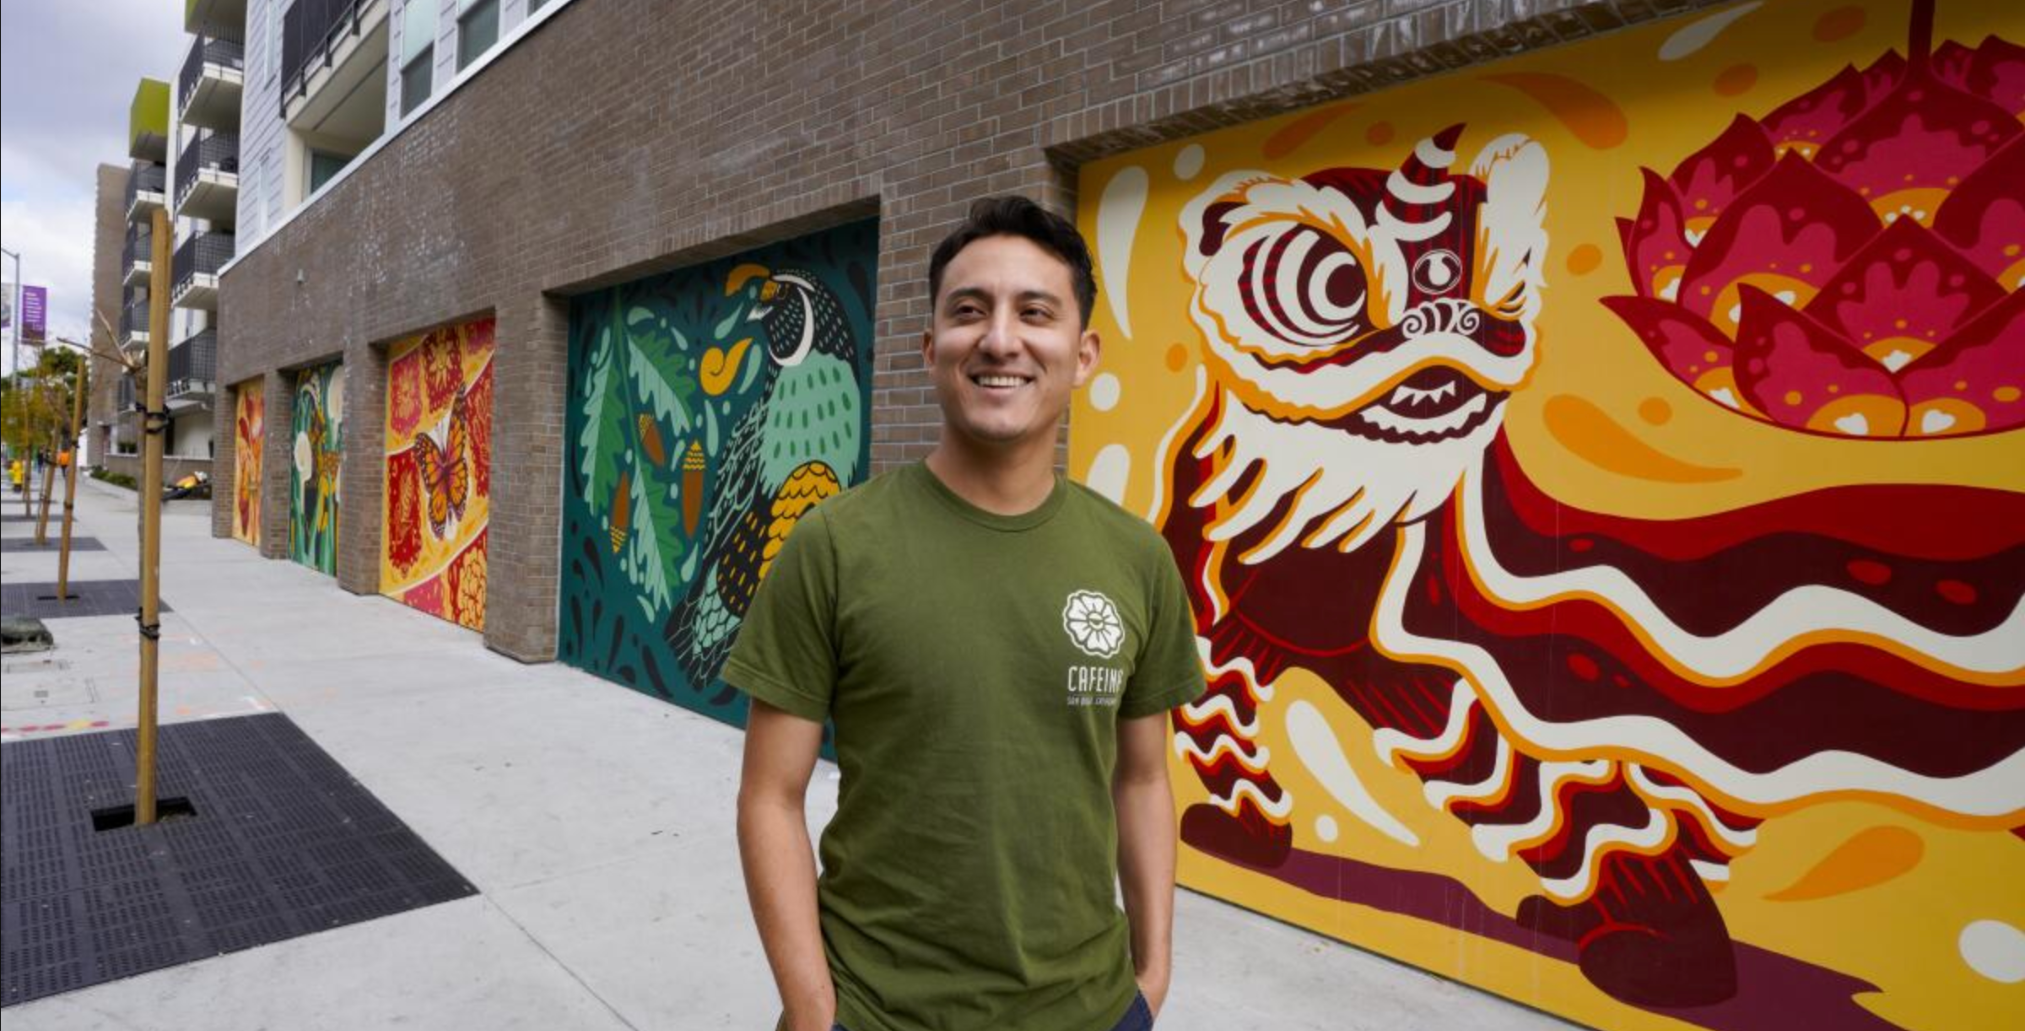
(439, 471)
(1600, 481)
(249, 437)
(709, 408)
(318, 454)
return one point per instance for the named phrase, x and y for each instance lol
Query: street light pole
(14, 303)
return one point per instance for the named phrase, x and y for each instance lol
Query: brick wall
(628, 136)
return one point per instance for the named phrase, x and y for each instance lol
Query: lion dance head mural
(1604, 706)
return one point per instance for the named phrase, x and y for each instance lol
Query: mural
(439, 471)
(313, 478)
(708, 409)
(249, 437)
(1640, 638)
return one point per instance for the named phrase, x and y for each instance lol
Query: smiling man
(997, 648)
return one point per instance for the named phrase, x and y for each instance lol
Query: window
(535, 5)
(323, 166)
(418, 53)
(477, 29)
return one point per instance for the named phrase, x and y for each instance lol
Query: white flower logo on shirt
(1093, 624)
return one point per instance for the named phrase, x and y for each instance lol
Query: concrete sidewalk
(595, 821)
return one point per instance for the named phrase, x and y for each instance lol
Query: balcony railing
(140, 247)
(193, 364)
(202, 254)
(217, 151)
(310, 33)
(133, 321)
(145, 177)
(209, 49)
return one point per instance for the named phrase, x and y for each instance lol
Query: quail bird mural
(800, 443)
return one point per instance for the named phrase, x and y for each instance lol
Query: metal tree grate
(284, 843)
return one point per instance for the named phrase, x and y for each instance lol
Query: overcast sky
(67, 75)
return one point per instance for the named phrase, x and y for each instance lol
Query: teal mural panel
(709, 409)
(318, 431)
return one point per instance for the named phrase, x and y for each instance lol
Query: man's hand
(1146, 847)
(780, 865)
(1153, 984)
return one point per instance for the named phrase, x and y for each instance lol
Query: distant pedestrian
(997, 649)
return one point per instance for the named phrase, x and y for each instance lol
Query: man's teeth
(997, 381)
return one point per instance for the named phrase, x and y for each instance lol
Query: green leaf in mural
(604, 437)
(655, 545)
(661, 396)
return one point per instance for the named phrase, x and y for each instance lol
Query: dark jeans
(1138, 1018)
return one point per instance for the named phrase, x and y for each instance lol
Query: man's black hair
(1013, 215)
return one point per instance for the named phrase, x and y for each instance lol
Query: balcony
(213, 77)
(147, 190)
(199, 14)
(193, 370)
(148, 122)
(134, 324)
(138, 258)
(194, 272)
(207, 177)
(334, 69)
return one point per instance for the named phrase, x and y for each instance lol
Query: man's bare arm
(780, 865)
(1145, 805)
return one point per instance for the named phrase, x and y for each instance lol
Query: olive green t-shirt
(975, 667)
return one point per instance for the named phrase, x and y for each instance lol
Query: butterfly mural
(438, 471)
(319, 456)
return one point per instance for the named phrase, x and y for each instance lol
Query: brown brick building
(614, 138)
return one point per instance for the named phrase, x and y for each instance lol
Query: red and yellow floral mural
(249, 435)
(439, 471)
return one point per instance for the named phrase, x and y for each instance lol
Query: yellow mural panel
(1600, 477)
(249, 437)
(439, 471)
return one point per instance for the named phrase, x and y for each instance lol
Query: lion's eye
(1302, 286)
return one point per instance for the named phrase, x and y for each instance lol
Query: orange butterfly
(446, 469)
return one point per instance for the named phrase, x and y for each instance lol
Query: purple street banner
(34, 314)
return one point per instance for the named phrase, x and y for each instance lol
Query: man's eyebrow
(978, 293)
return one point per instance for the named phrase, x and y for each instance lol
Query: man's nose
(1001, 336)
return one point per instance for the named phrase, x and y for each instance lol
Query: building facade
(108, 292)
(555, 314)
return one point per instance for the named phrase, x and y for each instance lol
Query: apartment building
(108, 294)
(184, 144)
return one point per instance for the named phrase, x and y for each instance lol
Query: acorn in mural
(693, 465)
(622, 510)
(1850, 264)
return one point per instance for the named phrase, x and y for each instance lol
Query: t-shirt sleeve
(1168, 672)
(786, 653)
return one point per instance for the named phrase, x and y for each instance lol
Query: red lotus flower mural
(1850, 264)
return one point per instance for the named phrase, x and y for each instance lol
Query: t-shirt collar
(1027, 520)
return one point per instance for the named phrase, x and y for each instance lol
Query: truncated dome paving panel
(53, 543)
(284, 842)
(87, 598)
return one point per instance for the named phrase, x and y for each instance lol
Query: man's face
(1006, 346)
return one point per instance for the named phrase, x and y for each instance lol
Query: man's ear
(1089, 349)
(928, 347)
